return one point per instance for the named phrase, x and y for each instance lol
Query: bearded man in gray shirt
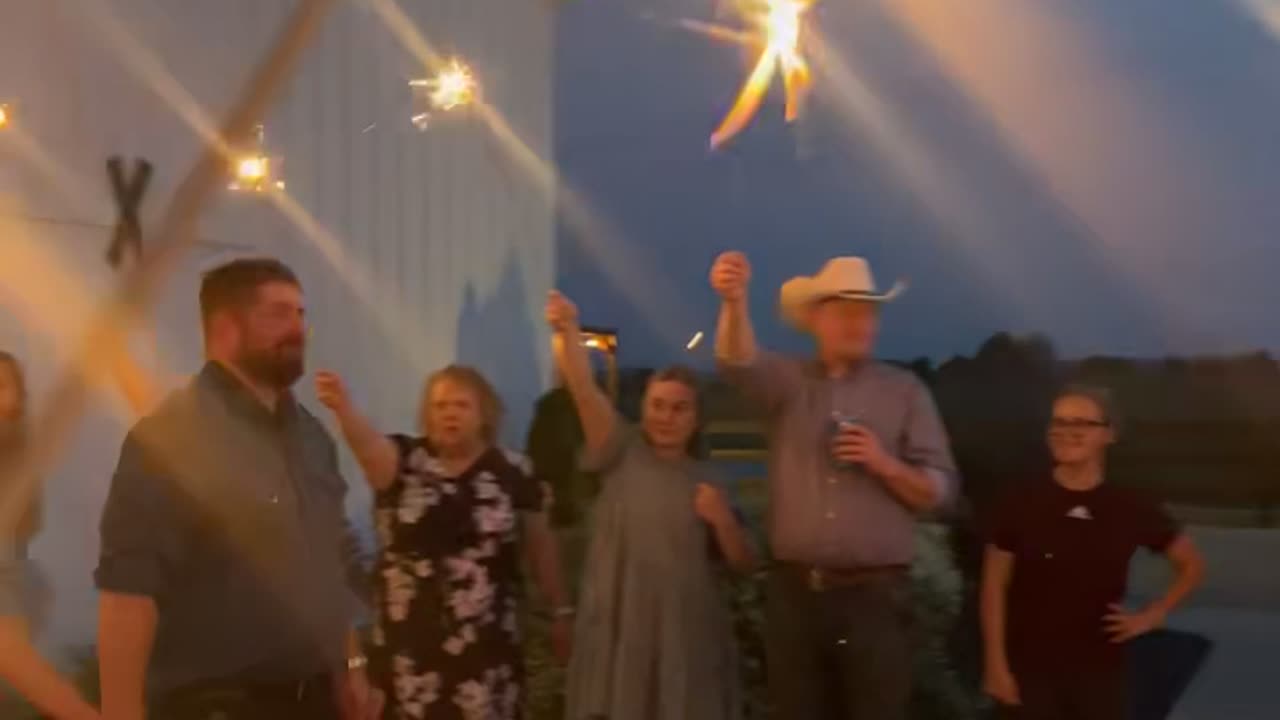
(856, 453)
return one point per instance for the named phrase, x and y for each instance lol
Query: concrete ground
(1239, 610)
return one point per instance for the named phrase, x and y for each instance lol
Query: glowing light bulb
(252, 169)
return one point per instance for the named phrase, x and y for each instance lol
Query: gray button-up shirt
(823, 516)
(231, 517)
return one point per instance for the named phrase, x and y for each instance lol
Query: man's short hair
(233, 285)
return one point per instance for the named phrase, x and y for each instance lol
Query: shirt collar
(818, 371)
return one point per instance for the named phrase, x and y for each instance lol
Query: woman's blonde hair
(491, 409)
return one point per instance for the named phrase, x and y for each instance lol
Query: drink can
(839, 422)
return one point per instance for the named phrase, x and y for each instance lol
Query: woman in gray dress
(653, 640)
(21, 667)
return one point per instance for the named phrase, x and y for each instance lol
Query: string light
(605, 341)
(253, 170)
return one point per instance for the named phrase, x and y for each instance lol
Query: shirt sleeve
(1003, 529)
(607, 456)
(925, 444)
(768, 380)
(406, 447)
(1156, 529)
(142, 539)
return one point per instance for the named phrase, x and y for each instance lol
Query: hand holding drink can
(839, 423)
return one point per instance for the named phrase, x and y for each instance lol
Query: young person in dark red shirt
(1055, 571)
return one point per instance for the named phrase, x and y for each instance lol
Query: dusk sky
(1102, 172)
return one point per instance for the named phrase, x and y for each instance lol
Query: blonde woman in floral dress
(453, 512)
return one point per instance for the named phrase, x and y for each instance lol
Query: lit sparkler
(779, 26)
(451, 88)
(6, 116)
(454, 87)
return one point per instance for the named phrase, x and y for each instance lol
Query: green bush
(940, 694)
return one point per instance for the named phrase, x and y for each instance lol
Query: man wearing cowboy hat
(856, 453)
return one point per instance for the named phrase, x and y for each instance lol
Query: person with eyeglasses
(1055, 571)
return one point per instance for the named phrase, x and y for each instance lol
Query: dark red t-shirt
(1071, 560)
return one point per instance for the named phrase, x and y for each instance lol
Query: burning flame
(779, 25)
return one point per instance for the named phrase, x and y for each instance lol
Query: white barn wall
(455, 243)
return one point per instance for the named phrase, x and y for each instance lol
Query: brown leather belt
(818, 579)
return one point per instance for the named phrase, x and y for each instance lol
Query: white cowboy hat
(842, 277)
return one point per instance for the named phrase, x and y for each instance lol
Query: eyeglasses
(1075, 424)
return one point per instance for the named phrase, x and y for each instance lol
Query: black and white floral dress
(447, 639)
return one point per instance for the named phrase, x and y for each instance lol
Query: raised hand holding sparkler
(730, 275)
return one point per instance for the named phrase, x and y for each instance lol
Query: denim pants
(839, 653)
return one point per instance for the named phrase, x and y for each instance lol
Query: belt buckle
(816, 582)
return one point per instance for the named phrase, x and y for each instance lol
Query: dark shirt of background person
(553, 445)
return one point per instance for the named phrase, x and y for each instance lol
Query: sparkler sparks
(451, 88)
(779, 26)
(454, 87)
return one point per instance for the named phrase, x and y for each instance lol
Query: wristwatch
(357, 662)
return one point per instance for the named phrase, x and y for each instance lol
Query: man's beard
(278, 367)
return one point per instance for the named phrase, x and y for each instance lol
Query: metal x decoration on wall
(128, 192)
